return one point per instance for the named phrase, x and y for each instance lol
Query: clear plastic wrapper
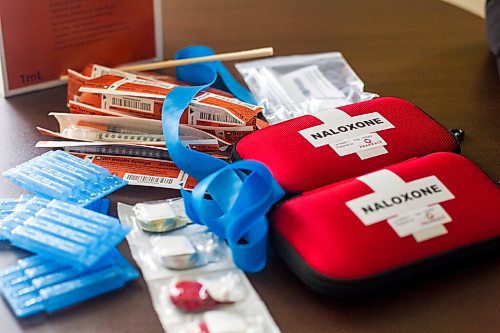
(187, 251)
(201, 293)
(161, 216)
(163, 255)
(62, 231)
(293, 86)
(191, 277)
(39, 284)
(59, 175)
(217, 302)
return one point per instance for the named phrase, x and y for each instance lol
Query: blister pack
(63, 231)
(205, 292)
(193, 282)
(64, 177)
(8, 205)
(162, 255)
(221, 301)
(39, 284)
(161, 216)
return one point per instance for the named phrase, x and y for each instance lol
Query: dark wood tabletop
(425, 51)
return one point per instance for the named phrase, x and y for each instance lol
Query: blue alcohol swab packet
(62, 231)
(59, 175)
(99, 206)
(9, 205)
(39, 284)
(22, 213)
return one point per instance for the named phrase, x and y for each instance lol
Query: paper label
(409, 208)
(348, 135)
(199, 117)
(140, 171)
(427, 217)
(243, 112)
(309, 82)
(358, 144)
(116, 85)
(124, 103)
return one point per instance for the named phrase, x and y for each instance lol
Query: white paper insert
(169, 246)
(309, 82)
(410, 208)
(153, 212)
(348, 135)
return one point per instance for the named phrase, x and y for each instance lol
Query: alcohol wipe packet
(39, 284)
(62, 232)
(59, 175)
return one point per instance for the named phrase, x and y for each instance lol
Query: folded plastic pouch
(364, 232)
(39, 284)
(312, 151)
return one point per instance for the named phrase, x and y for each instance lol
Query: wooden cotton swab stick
(239, 55)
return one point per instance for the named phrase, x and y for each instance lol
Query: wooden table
(427, 52)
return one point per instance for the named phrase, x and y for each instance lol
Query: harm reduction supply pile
(115, 122)
(193, 282)
(64, 224)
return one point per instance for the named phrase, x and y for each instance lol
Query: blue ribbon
(241, 193)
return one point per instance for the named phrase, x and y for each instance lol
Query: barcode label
(213, 117)
(135, 179)
(137, 104)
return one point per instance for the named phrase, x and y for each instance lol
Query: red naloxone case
(362, 233)
(312, 151)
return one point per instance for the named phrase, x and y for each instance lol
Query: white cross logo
(349, 135)
(410, 208)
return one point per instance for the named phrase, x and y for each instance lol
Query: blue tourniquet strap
(241, 193)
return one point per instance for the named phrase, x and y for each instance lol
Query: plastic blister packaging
(193, 282)
(39, 284)
(59, 175)
(216, 302)
(62, 231)
(9, 205)
(163, 255)
(99, 206)
(21, 213)
(161, 215)
(293, 86)
(187, 251)
(201, 293)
